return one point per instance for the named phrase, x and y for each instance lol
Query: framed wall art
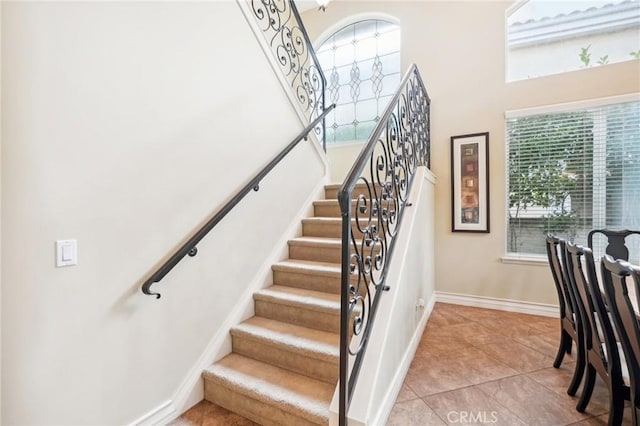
(470, 183)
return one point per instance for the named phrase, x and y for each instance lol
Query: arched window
(362, 65)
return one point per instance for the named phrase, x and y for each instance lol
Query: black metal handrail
(189, 248)
(398, 145)
(290, 43)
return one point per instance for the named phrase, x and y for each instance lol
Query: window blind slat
(572, 171)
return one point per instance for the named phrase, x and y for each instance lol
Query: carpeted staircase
(284, 366)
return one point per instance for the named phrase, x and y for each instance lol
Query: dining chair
(616, 242)
(570, 332)
(618, 276)
(602, 354)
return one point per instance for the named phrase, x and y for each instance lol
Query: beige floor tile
(593, 421)
(438, 344)
(471, 333)
(558, 381)
(406, 394)
(471, 406)
(482, 315)
(547, 343)
(440, 335)
(514, 327)
(517, 356)
(478, 367)
(603, 420)
(443, 317)
(438, 376)
(545, 324)
(433, 350)
(532, 402)
(413, 413)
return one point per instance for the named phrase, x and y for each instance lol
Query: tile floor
(475, 366)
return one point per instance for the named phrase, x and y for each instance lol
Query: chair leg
(616, 409)
(565, 347)
(569, 344)
(587, 390)
(578, 372)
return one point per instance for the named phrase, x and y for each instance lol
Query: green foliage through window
(572, 171)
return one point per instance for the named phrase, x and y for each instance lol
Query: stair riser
(251, 408)
(320, 254)
(331, 210)
(318, 320)
(328, 284)
(329, 230)
(315, 253)
(332, 193)
(280, 356)
(325, 210)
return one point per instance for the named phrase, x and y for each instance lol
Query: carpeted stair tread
(312, 343)
(307, 299)
(316, 242)
(323, 219)
(294, 393)
(308, 267)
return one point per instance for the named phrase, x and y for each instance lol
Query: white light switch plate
(66, 253)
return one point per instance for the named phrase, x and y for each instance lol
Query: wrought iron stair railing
(386, 166)
(287, 37)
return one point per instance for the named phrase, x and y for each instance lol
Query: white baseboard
(159, 415)
(498, 304)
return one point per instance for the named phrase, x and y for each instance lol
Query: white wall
(564, 54)
(459, 48)
(341, 157)
(126, 125)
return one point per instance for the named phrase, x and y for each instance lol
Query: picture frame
(470, 183)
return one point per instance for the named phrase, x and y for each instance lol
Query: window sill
(515, 259)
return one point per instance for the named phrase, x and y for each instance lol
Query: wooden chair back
(557, 263)
(616, 242)
(619, 277)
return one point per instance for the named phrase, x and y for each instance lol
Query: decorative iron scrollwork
(285, 33)
(373, 199)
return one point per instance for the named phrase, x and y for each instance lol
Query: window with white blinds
(570, 170)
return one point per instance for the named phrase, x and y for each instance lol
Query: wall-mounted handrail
(189, 248)
(398, 145)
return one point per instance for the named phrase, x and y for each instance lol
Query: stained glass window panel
(362, 65)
